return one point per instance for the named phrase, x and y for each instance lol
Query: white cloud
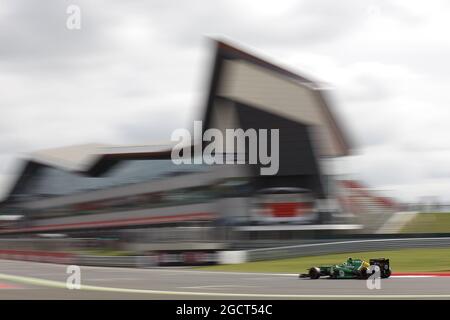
(138, 69)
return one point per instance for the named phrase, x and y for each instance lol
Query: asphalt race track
(31, 280)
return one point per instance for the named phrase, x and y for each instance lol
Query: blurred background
(358, 90)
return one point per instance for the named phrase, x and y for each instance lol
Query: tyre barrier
(38, 256)
(73, 259)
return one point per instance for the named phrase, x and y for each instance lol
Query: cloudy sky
(136, 70)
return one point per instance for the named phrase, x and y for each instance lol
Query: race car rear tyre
(314, 273)
(386, 274)
(363, 273)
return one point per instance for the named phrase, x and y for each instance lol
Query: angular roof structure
(245, 78)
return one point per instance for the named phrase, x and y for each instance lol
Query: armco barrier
(232, 257)
(118, 261)
(314, 249)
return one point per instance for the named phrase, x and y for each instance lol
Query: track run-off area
(32, 280)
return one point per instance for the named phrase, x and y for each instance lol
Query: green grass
(406, 260)
(428, 223)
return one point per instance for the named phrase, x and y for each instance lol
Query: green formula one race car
(351, 269)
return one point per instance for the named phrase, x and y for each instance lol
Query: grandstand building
(139, 200)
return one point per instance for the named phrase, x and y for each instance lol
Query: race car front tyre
(314, 273)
